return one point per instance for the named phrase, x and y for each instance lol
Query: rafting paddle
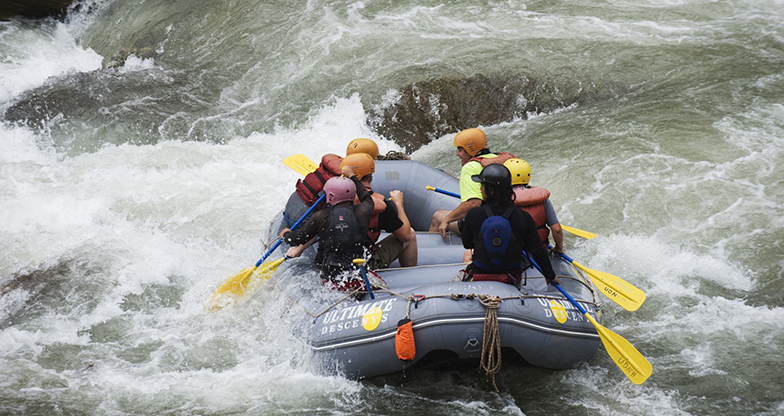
(236, 286)
(623, 353)
(361, 263)
(616, 289)
(300, 163)
(576, 231)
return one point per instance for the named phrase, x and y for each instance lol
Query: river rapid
(141, 162)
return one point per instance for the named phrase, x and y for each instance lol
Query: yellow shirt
(468, 188)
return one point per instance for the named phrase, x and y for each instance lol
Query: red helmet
(339, 189)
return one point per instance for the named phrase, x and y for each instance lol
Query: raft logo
(559, 313)
(564, 311)
(372, 319)
(368, 315)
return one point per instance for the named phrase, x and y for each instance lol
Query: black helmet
(494, 174)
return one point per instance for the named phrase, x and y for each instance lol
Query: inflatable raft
(452, 320)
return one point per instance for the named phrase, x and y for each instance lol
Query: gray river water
(142, 158)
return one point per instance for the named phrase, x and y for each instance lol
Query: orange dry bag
(404, 340)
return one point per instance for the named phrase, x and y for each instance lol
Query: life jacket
(496, 249)
(308, 189)
(500, 158)
(342, 238)
(531, 200)
(379, 206)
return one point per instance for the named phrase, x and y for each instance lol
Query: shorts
(385, 252)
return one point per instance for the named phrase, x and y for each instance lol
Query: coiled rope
(491, 339)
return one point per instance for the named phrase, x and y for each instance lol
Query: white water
(108, 255)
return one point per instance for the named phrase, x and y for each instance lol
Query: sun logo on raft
(372, 319)
(559, 313)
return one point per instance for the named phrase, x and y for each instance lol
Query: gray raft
(535, 323)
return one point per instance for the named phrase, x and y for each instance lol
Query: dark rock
(82, 111)
(428, 110)
(33, 8)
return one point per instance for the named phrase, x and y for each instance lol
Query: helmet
(472, 140)
(520, 169)
(362, 146)
(339, 189)
(494, 174)
(362, 163)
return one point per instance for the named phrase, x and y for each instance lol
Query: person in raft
(308, 189)
(342, 228)
(536, 202)
(497, 232)
(474, 155)
(388, 215)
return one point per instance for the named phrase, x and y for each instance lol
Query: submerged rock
(33, 8)
(427, 110)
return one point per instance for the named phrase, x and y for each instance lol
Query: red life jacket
(308, 189)
(501, 158)
(379, 206)
(531, 200)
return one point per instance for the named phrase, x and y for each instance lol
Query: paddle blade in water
(232, 288)
(623, 293)
(623, 353)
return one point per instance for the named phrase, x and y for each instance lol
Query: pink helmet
(339, 189)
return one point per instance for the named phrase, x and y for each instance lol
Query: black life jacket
(342, 239)
(495, 247)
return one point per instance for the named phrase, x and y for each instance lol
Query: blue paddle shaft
(571, 299)
(367, 282)
(446, 192)
(293, 227)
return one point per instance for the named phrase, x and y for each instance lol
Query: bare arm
(558, 237)
(405, 232)
(458, 214)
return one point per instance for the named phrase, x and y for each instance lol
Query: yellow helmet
(520, 169)
(362, 146)
(362, 163)
(472, 140)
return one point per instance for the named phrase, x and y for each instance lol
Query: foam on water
(109, 256)
(151, 231)
(38, 55)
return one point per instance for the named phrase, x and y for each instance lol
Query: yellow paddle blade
(266, 271)
(301, 164)
(236, 285)
(625, 356)
(618, 290)
(578, 232)
(244, 283)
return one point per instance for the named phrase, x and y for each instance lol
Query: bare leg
(410, 255)
(438, 217)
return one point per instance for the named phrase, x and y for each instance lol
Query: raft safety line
(425, 324)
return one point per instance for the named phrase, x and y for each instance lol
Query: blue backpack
(499, 243)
